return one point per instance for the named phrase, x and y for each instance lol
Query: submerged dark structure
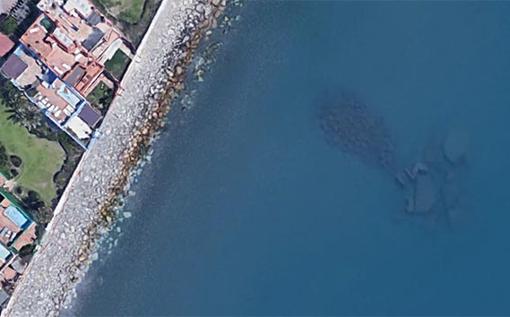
(430, 185)
(350, 125)
(433, 185)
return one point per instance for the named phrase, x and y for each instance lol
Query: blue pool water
(247, 210)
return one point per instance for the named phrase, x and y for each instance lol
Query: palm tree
(24, 116)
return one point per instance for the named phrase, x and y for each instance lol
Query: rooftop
(66, 48)
(89, 115)
(5, 44)
(70, 97)
(9, 223)
(79, 127)
(4, 253)
(57, 99)
(83, 7)
(8, 274)
(6, 5)
(33, 71)
(3, 296)
(16, 216)
(27, 237)
(19, 265)
(13, 67)
(16, 231)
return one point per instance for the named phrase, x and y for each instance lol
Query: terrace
(21, 68)
(58, 100)
(54, 96)
(5, 44)
(16, 231)
(57, 49)
(83, 32)
(9, 229)
(62, 58)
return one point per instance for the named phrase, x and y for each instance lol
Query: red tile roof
(5, 44)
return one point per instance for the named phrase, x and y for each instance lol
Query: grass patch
(133, 31)
(118, 64)
(8, 25)
(133, 12)
(41, 158)
(101, 97)
(129, 11)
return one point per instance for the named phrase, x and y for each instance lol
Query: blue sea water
(247, 210)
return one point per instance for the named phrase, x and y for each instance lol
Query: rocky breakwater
(153, 78)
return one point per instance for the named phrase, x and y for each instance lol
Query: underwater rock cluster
(348, 124)
(432, 186)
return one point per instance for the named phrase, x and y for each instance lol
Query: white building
(7, 5)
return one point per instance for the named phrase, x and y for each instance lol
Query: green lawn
(118, 64)
(132, 11)
(41, 158)
(129, 11)
(8, 25)
(101, 94)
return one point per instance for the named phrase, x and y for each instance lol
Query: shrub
(15, 160)
(4, 159)
(8, 25)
